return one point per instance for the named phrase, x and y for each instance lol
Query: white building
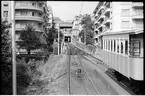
(26, 12)
(116, 17)
(76, 28)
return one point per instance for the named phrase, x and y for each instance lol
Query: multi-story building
(76, 27)
(26, 12)
(119, 32)
(117, 16)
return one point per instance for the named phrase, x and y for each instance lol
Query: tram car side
(124, 53)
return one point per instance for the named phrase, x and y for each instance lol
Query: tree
(30, 40)
(6, 63)
(87, 32)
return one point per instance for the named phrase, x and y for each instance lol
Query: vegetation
(87, 33)
(27, 74)
(30, 40)
(6, 63)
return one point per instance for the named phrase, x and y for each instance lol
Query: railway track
(79, 66)
(109, 74)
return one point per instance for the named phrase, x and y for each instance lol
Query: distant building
(77, 27)
(66, 29)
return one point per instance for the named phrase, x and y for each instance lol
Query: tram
(124, 52)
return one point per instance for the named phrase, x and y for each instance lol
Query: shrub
(23, 79)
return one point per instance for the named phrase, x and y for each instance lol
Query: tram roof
(123, 32)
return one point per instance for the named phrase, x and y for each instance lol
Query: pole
(58, 38)
(13, 49)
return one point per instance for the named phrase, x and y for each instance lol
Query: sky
(67, 10)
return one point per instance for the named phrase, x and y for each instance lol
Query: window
(34, 4)
(125, 24)
(125, 12)
(121, 47)
(117, 46)
(114, 45)
(5, 14)
(126, 47)
(108, 44)
(104, 44)
(135, 48)
(18, 13)
(5, 5)
(33, 13)
(111, 45)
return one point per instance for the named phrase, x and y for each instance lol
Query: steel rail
(88, 75)
(69, 91)
(83, 82)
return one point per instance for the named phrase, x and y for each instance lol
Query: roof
(139, 31)
(65, 24)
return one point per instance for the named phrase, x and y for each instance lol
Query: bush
(29, 57)
(23, 79)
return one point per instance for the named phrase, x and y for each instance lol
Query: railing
(35, 18)
(90, 48)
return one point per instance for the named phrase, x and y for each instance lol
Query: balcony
(101, 8)
(137, 16)
(106, 29)
(18, 28)
(18, 7)
(107, 10)
(96, 22)
(137, 4)
(107, 20)
(101, 17)
(96, 36)
(96, 29)
(31, 18)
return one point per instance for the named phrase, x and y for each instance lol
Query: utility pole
(13, 49)
(58, 38)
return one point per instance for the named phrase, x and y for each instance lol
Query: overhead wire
(81, 7)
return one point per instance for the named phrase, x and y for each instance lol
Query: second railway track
(84, 76)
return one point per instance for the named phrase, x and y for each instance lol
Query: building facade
(116, 17)
(76, 28)
(26, 12)
(119, 35)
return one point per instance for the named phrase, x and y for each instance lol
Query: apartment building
(27, 12)
(116, 17)
(76, 28)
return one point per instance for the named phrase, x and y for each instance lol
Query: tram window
(126, 47)
(111, 45)
(114, 46)
(121, 47)
(108, 44)
(135, 48)
(117, 46)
